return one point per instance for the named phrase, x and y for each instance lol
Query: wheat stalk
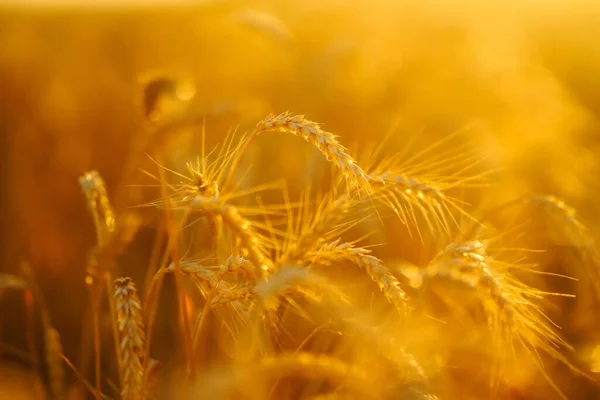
(110, 238)
(52, 345)
(131, 331)
(54, 361)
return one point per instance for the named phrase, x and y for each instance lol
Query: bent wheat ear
(409, 197)
(565, 220)
(375, 268)
(325, 142)
(131, 330)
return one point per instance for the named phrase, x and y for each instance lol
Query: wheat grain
(236, 264)
(131, 331)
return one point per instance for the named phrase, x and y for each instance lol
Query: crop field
(300, 199)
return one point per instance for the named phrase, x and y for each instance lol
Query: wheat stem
(241, 227)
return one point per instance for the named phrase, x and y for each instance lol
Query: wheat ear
(236, 264)
(375, 268)
(284, 281)
(196, 270)
(131, 331)
(509, 304)
(325, 142)
(409, 196)
(233, 293)
(468, 263)
(566, 214)
(94, 188)
(576, 232)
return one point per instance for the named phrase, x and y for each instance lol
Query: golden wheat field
(300, 199)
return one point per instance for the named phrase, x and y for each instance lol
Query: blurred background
(523, 76)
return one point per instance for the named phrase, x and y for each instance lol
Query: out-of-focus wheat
(513, 312)
(131, 331)
(54, 362)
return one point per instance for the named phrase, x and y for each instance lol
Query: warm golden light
(221, 199)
